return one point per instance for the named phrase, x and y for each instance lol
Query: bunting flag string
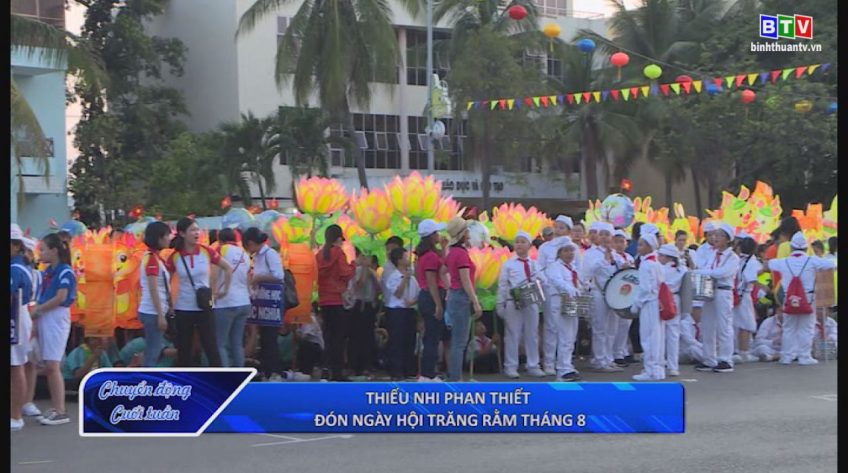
(723, 84)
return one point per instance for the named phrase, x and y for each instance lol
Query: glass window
(416, 56)
(448, 151)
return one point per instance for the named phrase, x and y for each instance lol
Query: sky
(600, 6)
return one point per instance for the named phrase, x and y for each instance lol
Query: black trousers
(336, 333)
(634, 336)
(401, 346)
(269, 351)
(487, 363)
(204, 322)
(362, 348)
(308, 356)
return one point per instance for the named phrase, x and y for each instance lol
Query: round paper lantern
(831, 107)
(618, 210)
(551, 30)
(237, 218)
(74, 227)
(713, 89)
(747, 96)
(683, 78)
(264, 220)
(586, 45)
(517, 12)
(652, 71)
(803, 106)
(619, 59)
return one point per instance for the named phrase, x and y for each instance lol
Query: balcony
(49, 11)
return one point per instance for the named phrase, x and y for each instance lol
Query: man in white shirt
(598, 266)
(546, 258)
(799, 329)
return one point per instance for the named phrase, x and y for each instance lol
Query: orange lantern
(99, 320)
(301, 262)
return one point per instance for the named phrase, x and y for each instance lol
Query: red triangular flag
(586, 97)
(634, 92)
(774, 76)
(614, 93)
(528, 101)
(664, 89)
(544, 100)
(686, 86)
(717, 82)
(502, 103)
(570, 99)
(799, 71)
(739, 79)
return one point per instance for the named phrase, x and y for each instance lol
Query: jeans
(459, 306)
(401, 346)
(433, 330)
(153, 340)
(205, 324)
(229, 330)
(336, 331)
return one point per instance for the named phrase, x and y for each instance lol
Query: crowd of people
(418, 317)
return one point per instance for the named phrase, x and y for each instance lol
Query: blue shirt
(21, 279)
(631, 248)
(58, 277)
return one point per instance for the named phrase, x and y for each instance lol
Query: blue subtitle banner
(223, 401)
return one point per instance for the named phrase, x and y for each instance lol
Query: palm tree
(250, 146)
(334, 48)
(57, 48)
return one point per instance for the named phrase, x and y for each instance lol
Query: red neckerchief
(573, 274)
(585, 246)
(526, 266)
(651, 257)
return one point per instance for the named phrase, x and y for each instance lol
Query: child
(520, 323)
(744, 314)
(401, 295)
(766, 345)
(484, 350)
(622, 259)
(651, 327)
(87, 357)
(132, 354)
(310, 350)
(564, 279)
(827, 333)
(673, 273)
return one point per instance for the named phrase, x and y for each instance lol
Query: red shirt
(333, 275)
(429, 261)
(457, 259)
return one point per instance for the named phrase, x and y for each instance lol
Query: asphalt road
(763, 418)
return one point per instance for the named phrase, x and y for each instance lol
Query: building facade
(44, 195)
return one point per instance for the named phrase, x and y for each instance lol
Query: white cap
(595, 226)
(568, 244)
(16, 234)
(523, 234)
(566, 220)
(620, 233)
(741, 234)
(650, 239)
(606, 227)
(649, 228)
(29, 243)
(428, 227)
(798, 242)
(726, 228)
(669, 250)
(709, 226)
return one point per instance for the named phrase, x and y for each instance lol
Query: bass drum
(620, 292)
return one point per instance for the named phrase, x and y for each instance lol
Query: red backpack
(795, 299)
(668, 309)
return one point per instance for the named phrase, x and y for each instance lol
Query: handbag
(202, 293)
(290, 299)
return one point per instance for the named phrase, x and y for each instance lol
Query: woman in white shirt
(400, 298)
(155, 304)
(232, 310)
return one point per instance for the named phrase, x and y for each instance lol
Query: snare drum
(580, 306)
(620, 292)
(703, 287)
(527, 294)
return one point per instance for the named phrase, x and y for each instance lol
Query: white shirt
(548, 252)
(794, 264)
(595, 267)
(561, 278)
(392, 285)
(267, 262)
(620, 259)
(650, 277)
(704, 256)
(673, 276)
(830, 332)
(238, 294)
(749, 267)
(513, 275)
(769, 333)
(200, 264)
(388, 269)
(152, 265)
(722, 270)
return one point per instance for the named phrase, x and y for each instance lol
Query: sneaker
(16, 424)
(550, 371)
(723, 367)
(570, 377)
(298, 376)
(47, 413)
(673, 373)
(55, 418)
(642, 377)
(511, 374)
(620, 362)
(808, 361)
(770, 358)
(738, 358)
(536, 373)
(275, 378)
(608, 369)
(31, 410)
(615, 368)
(785, 361)
(749, 358)
(629, 359)
(703, 367)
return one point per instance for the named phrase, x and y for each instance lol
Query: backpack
(795, 300)
(290, 299)
(668, 309)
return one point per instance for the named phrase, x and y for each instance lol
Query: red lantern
(683, 78)
(619, 60)
(226, 202)
(517, 12)
(748, 96)
(626, 185)
(273, 205)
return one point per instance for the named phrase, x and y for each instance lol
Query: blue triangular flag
(560, 99)
(476, 105)
(517, 103)
(654, 89)
(825, 67)
(763, 77)
(604, 94)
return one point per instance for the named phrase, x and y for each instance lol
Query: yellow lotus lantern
(292, 230)
(488, 262)
(349, 226)
(829, 220)
(508, 219)
(415, 197)
(687, 224)
(320, 196)
(446, 209)
(372, 210)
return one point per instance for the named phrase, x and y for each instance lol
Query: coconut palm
(334, 48)
(250, 146)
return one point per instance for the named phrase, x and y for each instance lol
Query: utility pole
(431, 160)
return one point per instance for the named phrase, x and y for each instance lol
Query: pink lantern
(683, 78)
(517, 12)
(619, 60)
(748, 96)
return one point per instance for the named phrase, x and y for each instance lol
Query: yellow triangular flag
(697, 85)
(675, 86)
(597, 96)
(469, 105)
(786, 73)
(646, 90)
(812, 68)
(553, 99)
(510, 103)
(577, 97)
(625, 93)
(752, 78)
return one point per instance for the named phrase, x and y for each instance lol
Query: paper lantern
(652, 71)
(683, 78)
(300, 260)
(237, 218)
(551, 30)
(618, 210)
(747, 96)
(803, 106)
(517, 12)
(619, 60)
(586, 45)
(831, 107)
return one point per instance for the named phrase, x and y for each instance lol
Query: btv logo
(786, 26)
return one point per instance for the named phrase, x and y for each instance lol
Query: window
(338, 157)
(552, 7)
(377, 137)
(51, 12)
(448, 151)
(534, 59)
(555, 68)
(282, 26)
(416, 56)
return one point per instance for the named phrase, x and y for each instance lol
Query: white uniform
(19, 352)
(798, 330)
(744, 314)
(717, 315)
(546, 258)
(561, 279)
(702, 257)
(767, 341)
(620, 347)
(673, 278)
(829, 332)
(651, 327)
(518, 324)
(691, 349)
(597, 271)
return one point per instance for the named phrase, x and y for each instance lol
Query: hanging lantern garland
(619, 60)
(551, 30)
